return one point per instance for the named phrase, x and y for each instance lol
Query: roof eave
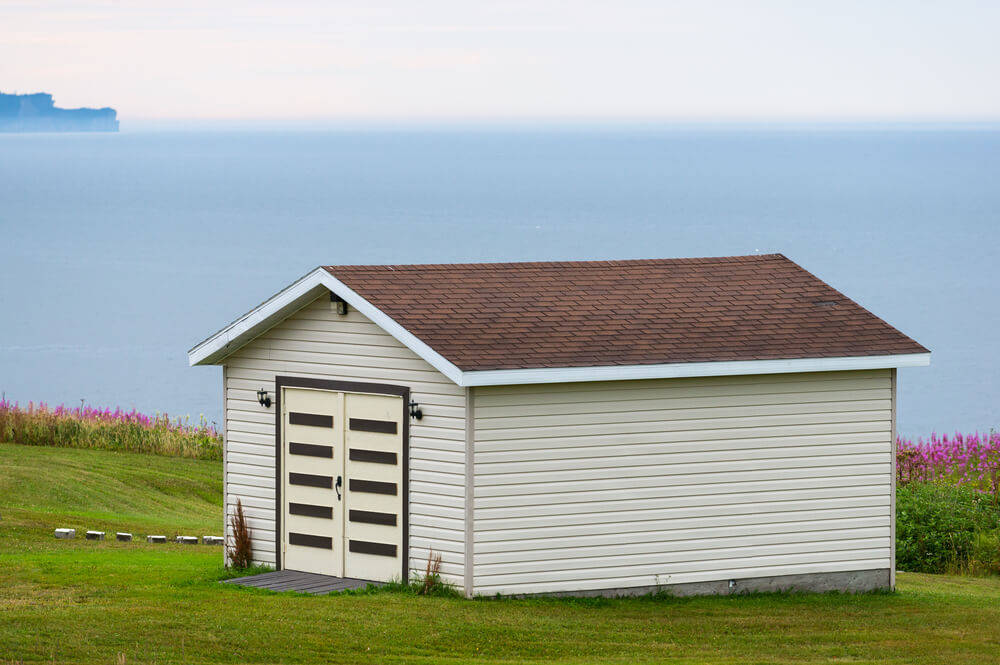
(252, 324)
(504, 377)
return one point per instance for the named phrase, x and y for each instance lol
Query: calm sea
(120, 252)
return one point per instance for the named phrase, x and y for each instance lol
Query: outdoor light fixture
(263, 398)
(415, 411)
(339, 302)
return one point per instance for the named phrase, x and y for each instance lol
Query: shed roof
(484, 316)
(509, 322)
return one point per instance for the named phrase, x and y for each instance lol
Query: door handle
(340, 483)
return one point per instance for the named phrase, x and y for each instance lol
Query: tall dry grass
(90, 427)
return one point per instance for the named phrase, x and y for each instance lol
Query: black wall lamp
(415, 411)
(263, 398)
(339, 303)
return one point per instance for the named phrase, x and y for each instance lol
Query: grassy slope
(86, 602)
(108, 491)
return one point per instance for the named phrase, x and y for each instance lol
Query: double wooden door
(342, 493)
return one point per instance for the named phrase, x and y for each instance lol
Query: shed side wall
(316, 342)
(638, 483)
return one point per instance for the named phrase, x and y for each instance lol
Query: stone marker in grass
(123, 537)
(188, 540)
(66, 533)
(212, 540)
(95, 535)
(156, 539)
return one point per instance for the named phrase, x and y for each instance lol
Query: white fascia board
(503, 377)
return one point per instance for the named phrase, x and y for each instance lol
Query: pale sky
(433, 60)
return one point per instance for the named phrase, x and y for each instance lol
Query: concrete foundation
(855, 581)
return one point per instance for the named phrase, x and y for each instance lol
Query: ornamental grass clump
(432, 576)
(240, 553)
(106, 429)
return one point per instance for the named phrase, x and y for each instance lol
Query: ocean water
(119, 252)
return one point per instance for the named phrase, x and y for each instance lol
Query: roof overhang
(319, 281)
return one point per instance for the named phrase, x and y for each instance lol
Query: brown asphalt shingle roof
(490, 316)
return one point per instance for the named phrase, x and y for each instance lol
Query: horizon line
(445, 123)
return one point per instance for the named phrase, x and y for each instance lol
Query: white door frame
(281, 382)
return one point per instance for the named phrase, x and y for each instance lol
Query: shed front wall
(316, 342)
(612, 485)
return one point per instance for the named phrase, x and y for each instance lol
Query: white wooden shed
(701, 425)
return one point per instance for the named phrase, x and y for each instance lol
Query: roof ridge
(707, 260)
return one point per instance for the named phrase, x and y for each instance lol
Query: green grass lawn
(92, 602)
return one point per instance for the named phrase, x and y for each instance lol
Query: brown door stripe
(309, 540)
(309, 510)
(310, 449)
(310, 419)
(310, 480)
(381, 426)
(368, 517)
(373, 487)
(376, 456)
(365, 547)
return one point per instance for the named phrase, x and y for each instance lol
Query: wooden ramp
(293, 580)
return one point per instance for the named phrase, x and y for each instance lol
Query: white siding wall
(316, 342)
(617, 484)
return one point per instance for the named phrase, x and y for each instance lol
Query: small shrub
(241, 551)
(985, 554)
(937, 525)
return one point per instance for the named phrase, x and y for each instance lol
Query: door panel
(312, 460)
(373, 439)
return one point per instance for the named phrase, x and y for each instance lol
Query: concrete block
(212, 540)
(95, 535)
(123, 537)
(156, 539)
(66, 533)
(187, 540)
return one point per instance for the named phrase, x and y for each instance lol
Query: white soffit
(311, 286)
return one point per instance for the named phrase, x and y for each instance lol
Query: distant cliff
(38, 113)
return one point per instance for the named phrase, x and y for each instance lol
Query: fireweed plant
(948, 504)
(971, 460)
(92, 427)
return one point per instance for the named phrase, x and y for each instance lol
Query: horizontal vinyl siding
(610, 485)
(318, 343)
